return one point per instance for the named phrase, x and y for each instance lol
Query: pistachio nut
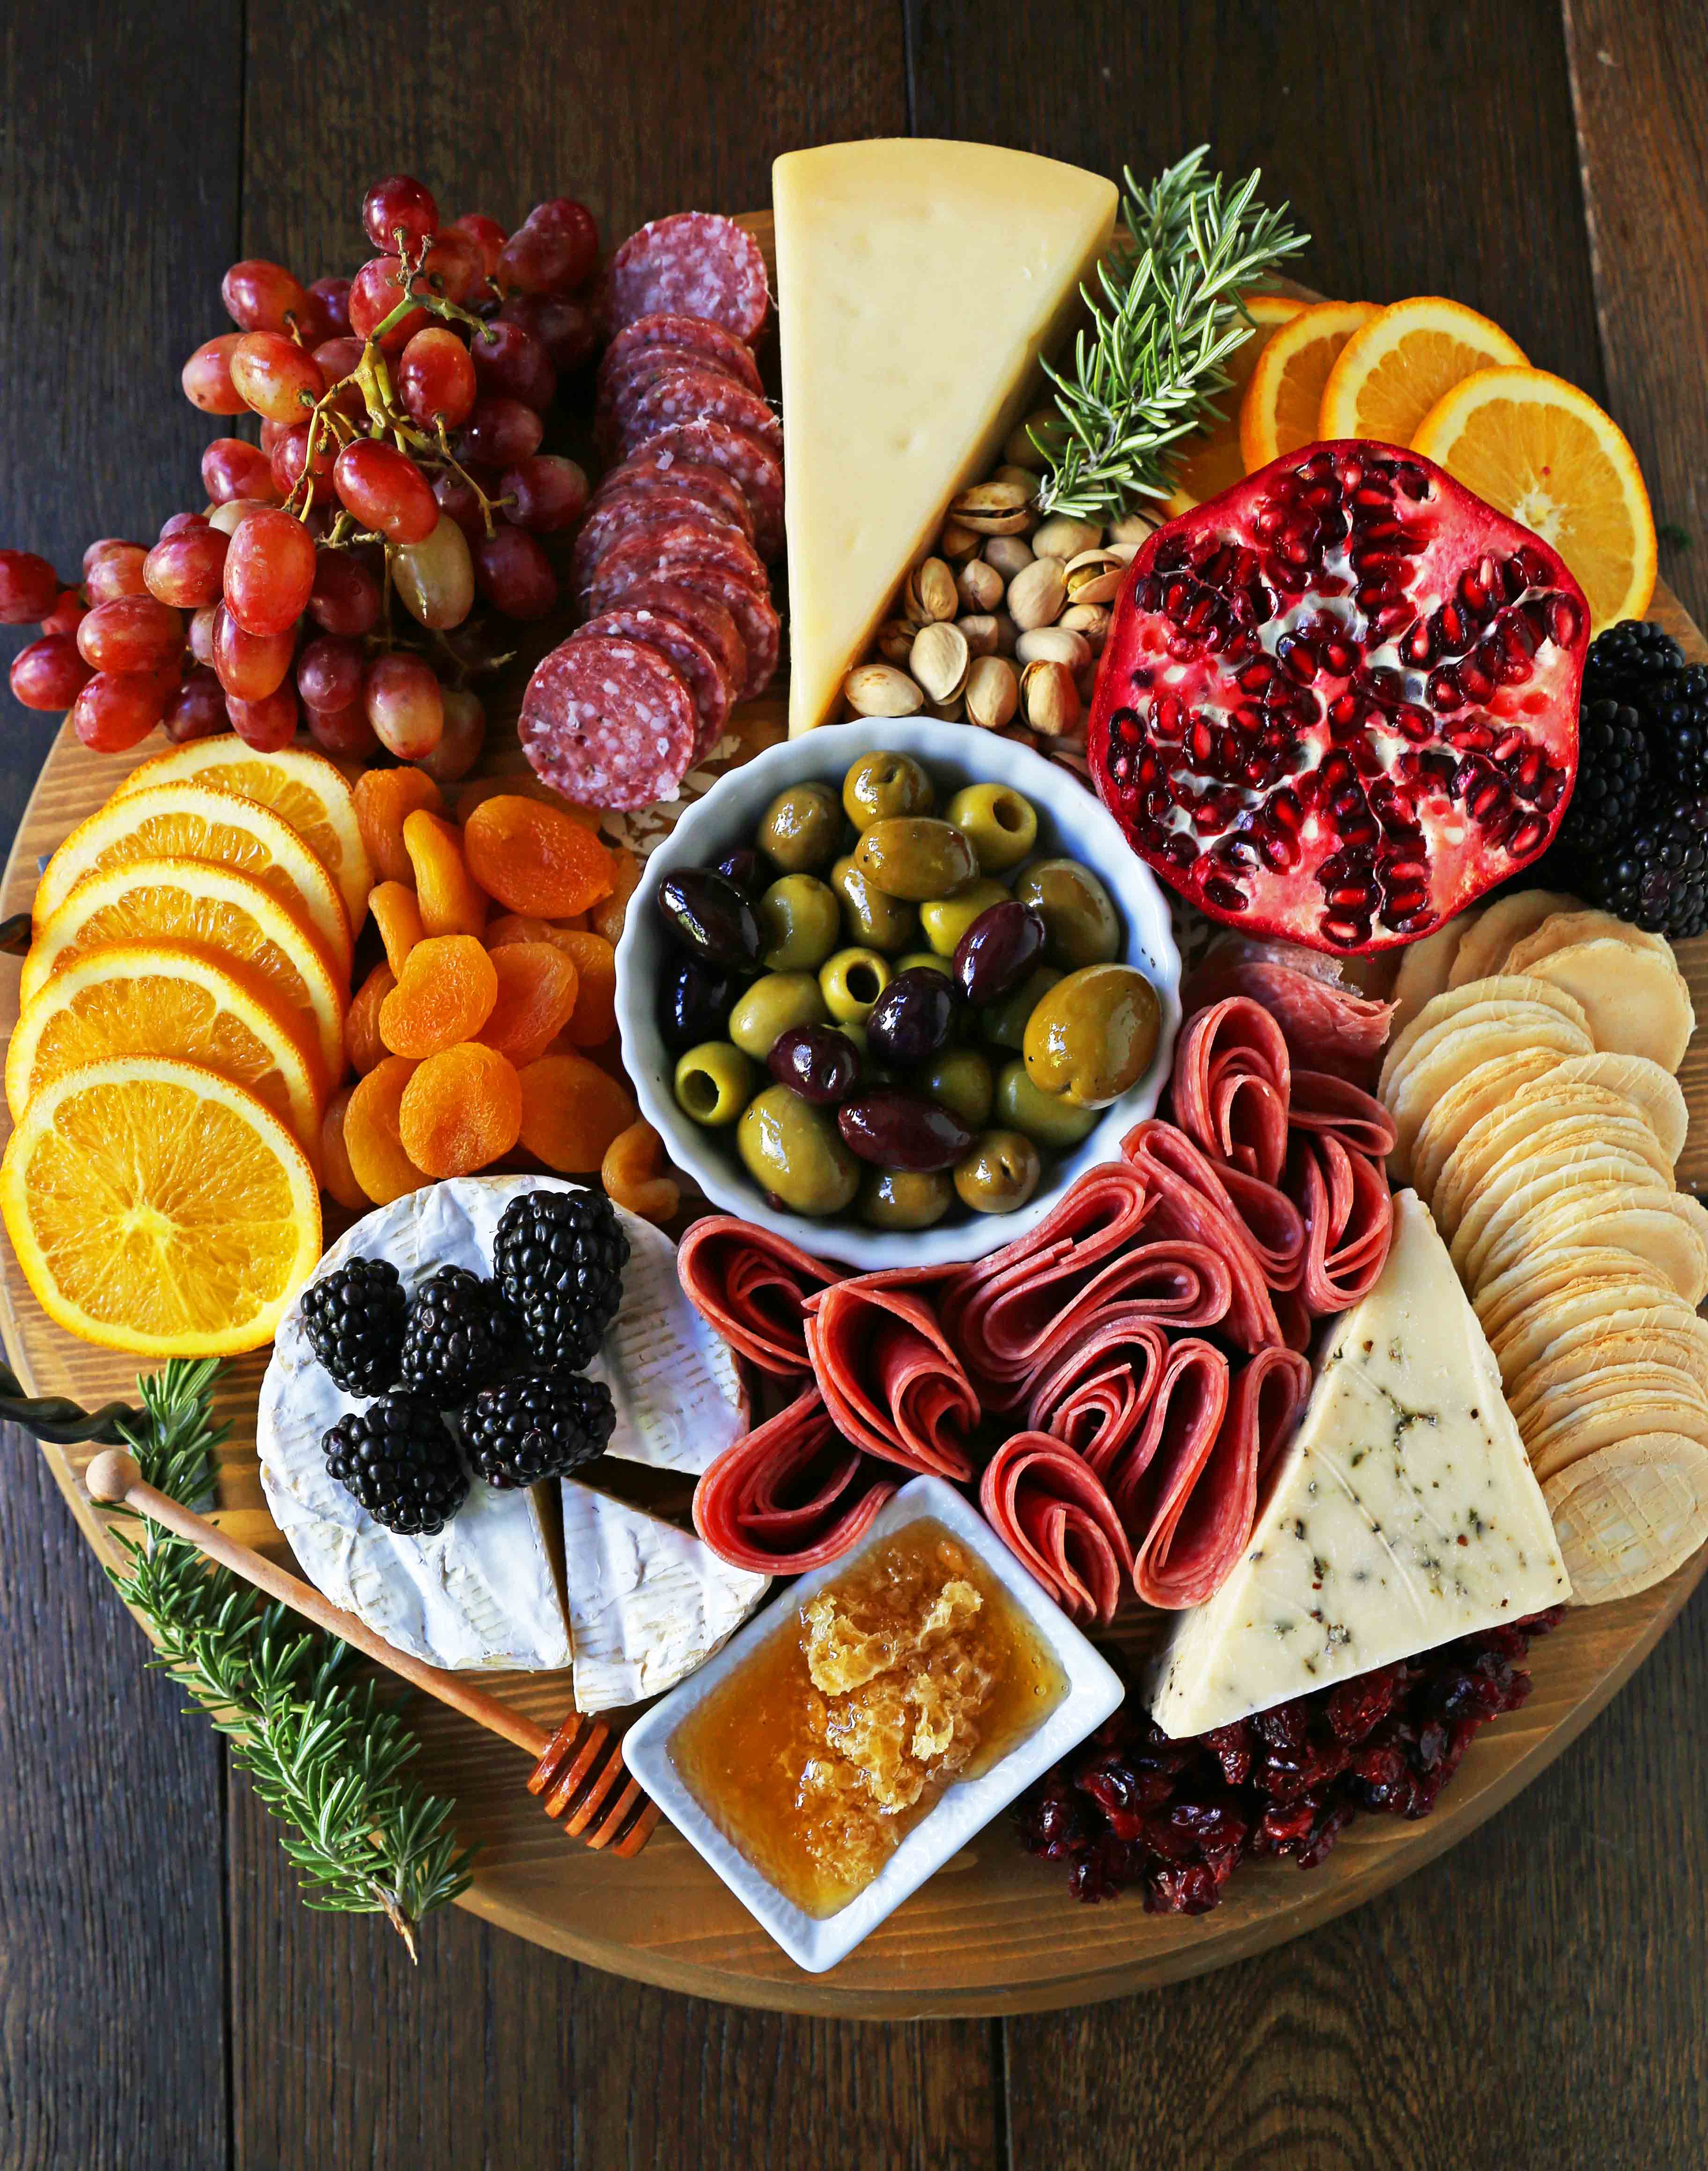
(981, 586)
(1050, 699)
(939, 660)
(1064, 537)
(995, 508)
(993, 692)
(1049, 644)
(929, 592)
(1008, 554)
(879, 689)
(1038, 595)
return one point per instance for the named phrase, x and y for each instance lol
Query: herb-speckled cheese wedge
(1404, 1514)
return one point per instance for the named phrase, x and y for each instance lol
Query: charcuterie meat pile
(1117, 1381)
(670, 561)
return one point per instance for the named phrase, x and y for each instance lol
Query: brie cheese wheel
(648, 1602)
(1403, 1512)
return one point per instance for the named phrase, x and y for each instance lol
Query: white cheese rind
(648, 1602)
(1405, 1514)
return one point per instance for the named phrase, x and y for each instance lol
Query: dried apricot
(479, 789)
(397, 917)
(594, 1018)
(632, 1174)
(452, 902)
(372, 1138)
(385, 799)
(516, 927)
(361, 1042)
(337, 1176)
(534, 858)
(537, 986)
(444, 994)
(570, 1112)
(461, 1110)
(606, 918)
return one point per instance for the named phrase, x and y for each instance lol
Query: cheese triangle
(918, 283)
(1403, 1512)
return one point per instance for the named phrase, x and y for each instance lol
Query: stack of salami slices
(670, 561)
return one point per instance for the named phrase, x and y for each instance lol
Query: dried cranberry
(1354, 1707)
(1193, 1890)
(1324, 1833)
(1231, 1748)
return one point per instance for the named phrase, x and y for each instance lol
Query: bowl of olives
(889, 987)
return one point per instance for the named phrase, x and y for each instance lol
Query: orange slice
(162, 998)
(1540, 451)
(157, 1208)
(198, 822)
(1285, 396)
(1209, 462)
(1392, 373)
(225, 914)
(305, 788)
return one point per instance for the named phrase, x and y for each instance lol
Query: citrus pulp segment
(1391, 373)
(1284, 398)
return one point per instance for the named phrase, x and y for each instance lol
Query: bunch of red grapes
(352, 570)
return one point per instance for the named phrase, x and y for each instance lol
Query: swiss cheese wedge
(918, 284)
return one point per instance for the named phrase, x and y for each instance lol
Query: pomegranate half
(1340, 701)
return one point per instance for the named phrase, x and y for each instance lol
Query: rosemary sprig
(1147, 369)
(325, 1755)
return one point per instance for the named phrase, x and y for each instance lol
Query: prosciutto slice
(752, 1287)
(1049, 1508)
(1095, 1399)
(890, 1377)
(791, 1495)
(1190, 1201)
(1348, 1214)
(1327, 1025)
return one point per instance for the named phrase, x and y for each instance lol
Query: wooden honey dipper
(578, 1771)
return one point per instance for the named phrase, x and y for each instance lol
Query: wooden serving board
(996, 1931)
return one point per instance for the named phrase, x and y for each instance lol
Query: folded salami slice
(1197, 1499)
(753, 1288)
(1327, 1025)
(1231, 1086)
(1323, 1102)
(608, 723)
(890, 1378)
(1052, 1514)
(1189, 1199)
(692, 335)
(754, 466)
(692, 392)
(709, 619)
(709, 487)
(682, 648)
(623, 512)
(1348, 1214)
(755, 617)
(790, 1496)
(694, 264)
(1096, 1398)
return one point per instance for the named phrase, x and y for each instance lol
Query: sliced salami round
(696, 394)
(694, 264)
(709, 618)
(711, 486)
(756, 618)
(754, 466)
(691, 335)
(683, 649)
(608, 723)
(623, 512)
(699, 540)
(626, 366)
(625, 388)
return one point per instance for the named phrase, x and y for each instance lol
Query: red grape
(345, 596)
(130, 633)
(328, 672)
(117, 572)
(28, 588)
(102, 544)
(571, 219)
(553, 251)
(196, 711)
(437, 378)
(456, 497)
(206, 376)
(267, 724)
(486, 232)
(178, 522)
(269, 572)
(116, 709)
(249, 665)
(187, 570)
(454, 266)
(512, 571)
(345, 734)
(498, 433)
(386, 491)
(547, 494)
(459, 747)
(232, 467)
(337, 359)
(201, 630)
(564, 327)
(511, 364)
(290, 455)
(260, 296)
(435, 580)
(374, 292)
(68, 613)
(399, 203)
(403, 704)
(50, 674)
(275, 377)
(334, 297)
(231, 515)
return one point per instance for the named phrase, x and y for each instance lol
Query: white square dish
(966, 1806)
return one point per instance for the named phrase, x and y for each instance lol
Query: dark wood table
(1540, 1997)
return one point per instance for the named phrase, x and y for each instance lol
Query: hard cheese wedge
(918, 284)
(1405, 1512)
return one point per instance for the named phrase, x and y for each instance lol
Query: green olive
(851, 982)
(1044, 1117)
(879, 921)
(923, 961)
(1000, 825)
(1094, 1035)
(960, 1077)
(1080, 926)
(1006, 1023)
(771, 1006)
(714, 1083)
(913, 856)
(880, 784)
(799, 829)
(800, 921)
(946, 919)
(999, 1175)
(905, 1198)
(795, 1153)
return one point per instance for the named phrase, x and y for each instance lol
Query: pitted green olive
(882, 784)
(771, 1006)
(800, 921)
(1093, 1034)
(871, 916)
(1044, 1117)
(1080, 926)
(714, 1083)
(960, 1077)
(928, 960)
(905, 1198)
(999, 1175)
(799, 830)
(915, 857)
(792, 1151)
(1001, 827)
(851, 982)
(946, 919)
(1006, 1023)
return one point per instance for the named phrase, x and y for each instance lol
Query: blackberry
(1613, 777)
(459, 1338)
(1627, 658)
(1675, 709)
(558, 1257)
(1658, 875)
(353, 1320)
(398, 1459)
(544, 1424)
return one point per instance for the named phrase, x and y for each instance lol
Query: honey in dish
(818, 1755)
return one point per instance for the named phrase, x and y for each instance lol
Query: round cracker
(1425, 968)
(1507, 920)
(1613, 1305)
(1636, 1000)
(1651, 1349)
(1611, 1383)
(1655, 1093)
(1628, 1515)
(1531, 1282)
(1489, 1086)
(1656, 1404)
(1577, 923)
(1476, 999)
(1658, 1228)
(1434, 1065)
(1511, 1137)
(1529, 1178)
